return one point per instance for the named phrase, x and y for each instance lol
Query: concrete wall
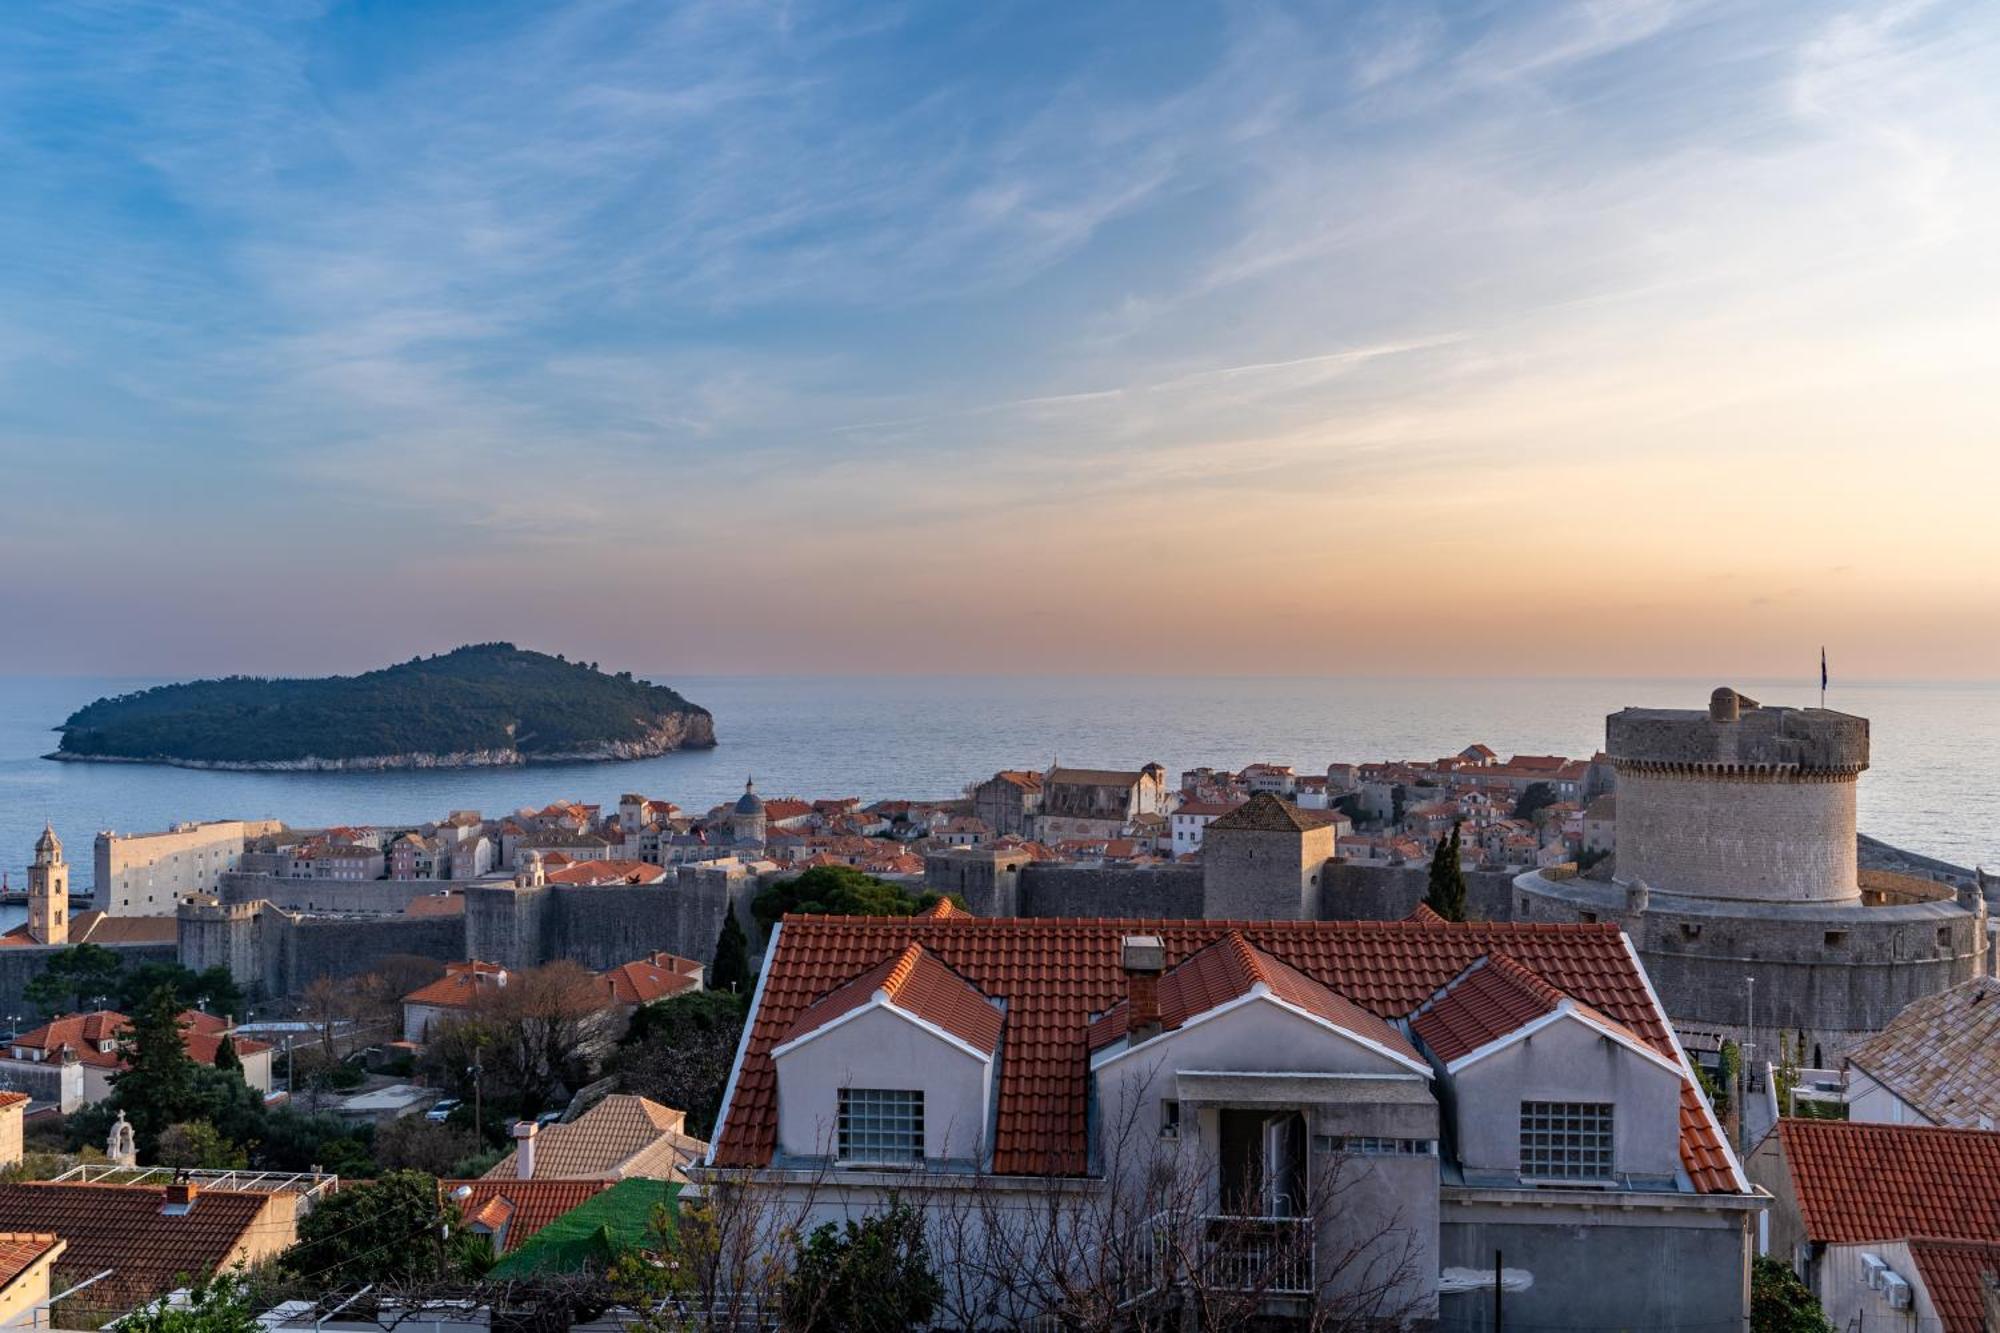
(1870, 1102)
(880, 1049)
(1751, 837)
(1597, 1267)
(1568, 1061)
(53, 1081)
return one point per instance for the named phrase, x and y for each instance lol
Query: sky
(1620, 338)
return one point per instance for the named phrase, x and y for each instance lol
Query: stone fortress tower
(1737, 859)
(48, 891)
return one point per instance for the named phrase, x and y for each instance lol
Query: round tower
(48, 891)
(1738, 801)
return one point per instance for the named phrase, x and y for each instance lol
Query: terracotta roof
(944, 909)
(523, 1207)
(1207, 807)
(120, 1227)
(1231, 968)
(1860, 1182)
(621, 1136)
(8, 1099)
(652, 978)
(1265, 813)
(97, 928)
(1092, 777)
(459, 986)
(436, 904)
(914, 981)
(1953, 1274)
(1942, 1054)
(1495, 996)
(1053, 974)
(81, 1033)
(1026, 779)
(594, 874)
(21, 1250)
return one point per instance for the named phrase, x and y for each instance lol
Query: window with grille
(1566, 1140)
(881, 1125)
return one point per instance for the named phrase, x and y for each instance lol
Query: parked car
(442, 1108)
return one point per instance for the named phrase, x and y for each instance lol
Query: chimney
(524, 1148)
(180, 1199)
(1144, 958)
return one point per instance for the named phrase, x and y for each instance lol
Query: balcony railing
(1221, 1252)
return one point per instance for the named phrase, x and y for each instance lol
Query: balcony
(1219, 1252)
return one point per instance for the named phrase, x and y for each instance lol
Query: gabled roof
(944, 909)
(1093, 777)
(1265, 813)
(1953, 1274)
(915, 983)
(522, 1207)
(596, 1231)
(1231, 969)
(1859, 1182)
(1497, 1001)
(621, 1136)
(652, 978)
(460, 985)
(1942, 1054)
(121, 1227)
(1054, 974)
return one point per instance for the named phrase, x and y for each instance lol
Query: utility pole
(1499, 1289)
(478, 1109)
(1743, 1070)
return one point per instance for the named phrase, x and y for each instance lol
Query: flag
(1822, 670)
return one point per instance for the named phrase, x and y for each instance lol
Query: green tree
(156, 1087)
(1780, 1303)
(196, 1143)
(218, 1304)
(837, 891)
(1396, 799)
(871, 1276)
(1446, 895)
(731, 969)
(679, 1051)
(226, 1056)
(83, 976)
(392, 1229)
(1535, 798)
(212, 989)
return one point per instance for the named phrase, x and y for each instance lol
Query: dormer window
(1566, 1140)
(881, 1125)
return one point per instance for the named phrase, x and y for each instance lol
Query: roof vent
(1144, 957)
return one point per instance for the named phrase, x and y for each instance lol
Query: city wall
(329, 895)
(19, 966)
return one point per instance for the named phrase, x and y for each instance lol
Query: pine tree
(157, 1086)
(226, 1056)
(731, 969)
(1446, 895)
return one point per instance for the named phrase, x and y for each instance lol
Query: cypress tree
(1446, 895)
(731, 969)
(226, 1056)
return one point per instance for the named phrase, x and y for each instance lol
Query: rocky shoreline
(687, 731)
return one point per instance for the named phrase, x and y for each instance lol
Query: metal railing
(312, 1184)
(1263, 1254)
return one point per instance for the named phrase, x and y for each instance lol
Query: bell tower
(48, 891)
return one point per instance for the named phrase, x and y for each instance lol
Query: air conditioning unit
(1873, 1270)
(1899, 1292)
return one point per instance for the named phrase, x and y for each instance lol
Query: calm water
(1934, 787)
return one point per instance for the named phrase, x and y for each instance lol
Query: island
(484, 704)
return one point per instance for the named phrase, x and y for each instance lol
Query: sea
(1934, 786)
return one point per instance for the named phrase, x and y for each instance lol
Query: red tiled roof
(8, 1099)
(522, 1206)
(1953, 1273)
(596, 874)
(919, 985)
(120, 1227)
(944, 909)
(1053, 974)
(652, 978)
(1859, 1182)
(1231, 968)
(460, 984)
(20, 1250)
(1495, 997)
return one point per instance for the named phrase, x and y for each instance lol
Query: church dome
(750, 803)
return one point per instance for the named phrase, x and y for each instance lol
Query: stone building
(1737, 857)
(1263, 861)
(1008, 802)
(1098, 802)
(147, 874)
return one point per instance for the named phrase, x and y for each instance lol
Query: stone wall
(603, 927)
(1091, 891)
(1355, 892)
(310, 947)
(20, 965)
(330, 895)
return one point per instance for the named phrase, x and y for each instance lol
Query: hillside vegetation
(490, 698)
